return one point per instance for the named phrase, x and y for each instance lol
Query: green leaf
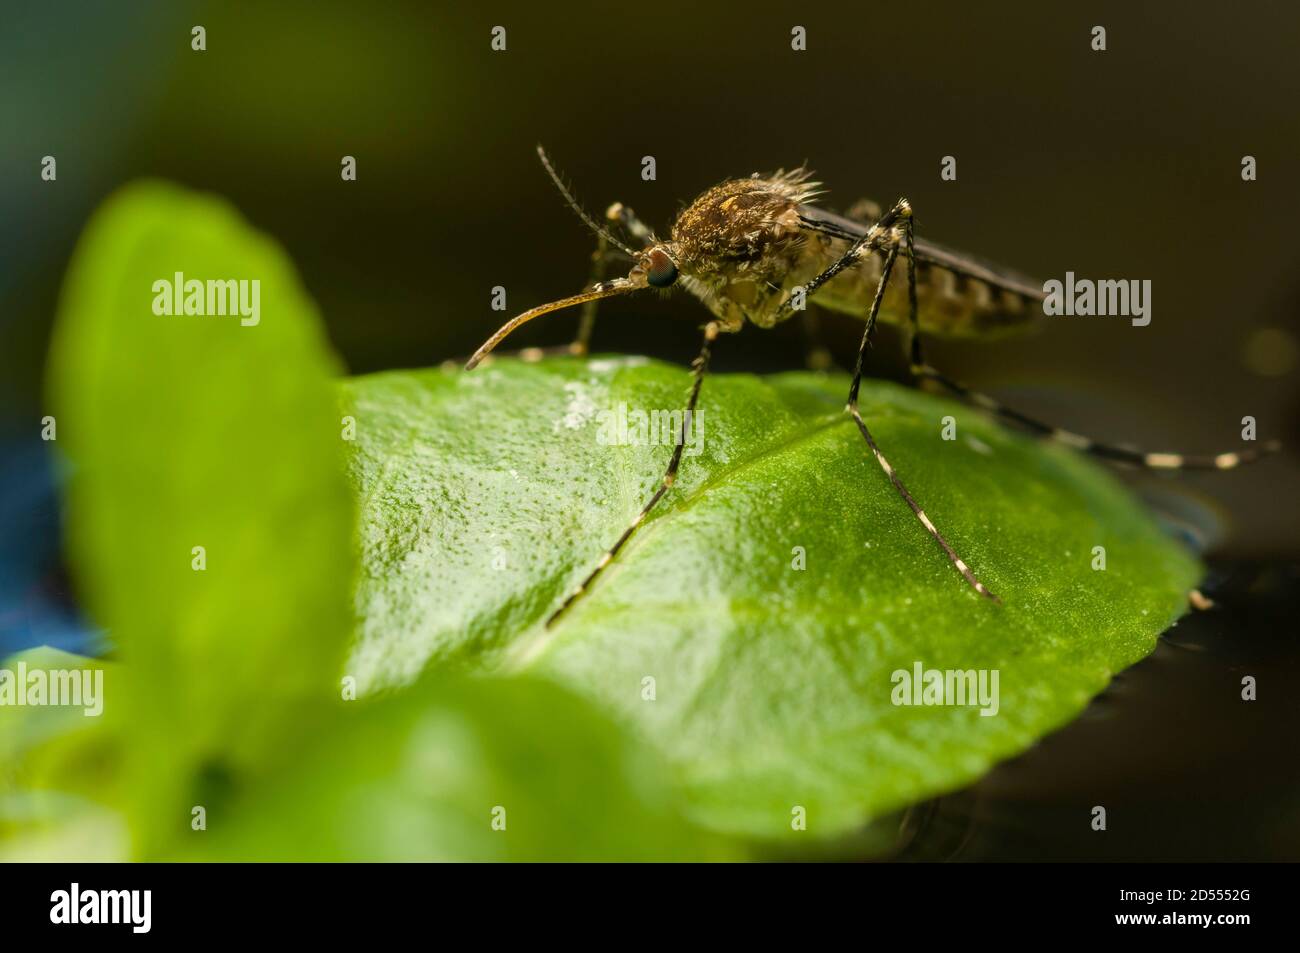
(188, 431)
(463, 770)
(48, 826)
(60, 789)
(68, 747)
(487, 496)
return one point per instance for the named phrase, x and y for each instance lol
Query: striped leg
(905, 212)
(874, 238)
(700, 367)
(1153, 461)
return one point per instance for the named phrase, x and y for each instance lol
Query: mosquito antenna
(605, 290)
(577, 207)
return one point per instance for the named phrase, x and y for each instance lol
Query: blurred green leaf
(485, 497)
(26, 727)
(187, 431)
(471, 770)
(48, 826)
(60, 787)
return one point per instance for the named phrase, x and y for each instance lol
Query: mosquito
(757, 250)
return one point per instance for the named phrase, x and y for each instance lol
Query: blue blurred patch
(36, 601)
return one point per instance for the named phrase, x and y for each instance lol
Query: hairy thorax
(742, 248)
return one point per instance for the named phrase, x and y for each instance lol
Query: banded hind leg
(1226, 460)
(699, 368)
(1152, 461)
(899, 215)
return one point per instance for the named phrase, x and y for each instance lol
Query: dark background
(1119, 164)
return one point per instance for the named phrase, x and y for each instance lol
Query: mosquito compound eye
(660, 271)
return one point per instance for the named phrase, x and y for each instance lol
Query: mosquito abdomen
(949, 303)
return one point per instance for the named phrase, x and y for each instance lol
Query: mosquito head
(656, 266)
